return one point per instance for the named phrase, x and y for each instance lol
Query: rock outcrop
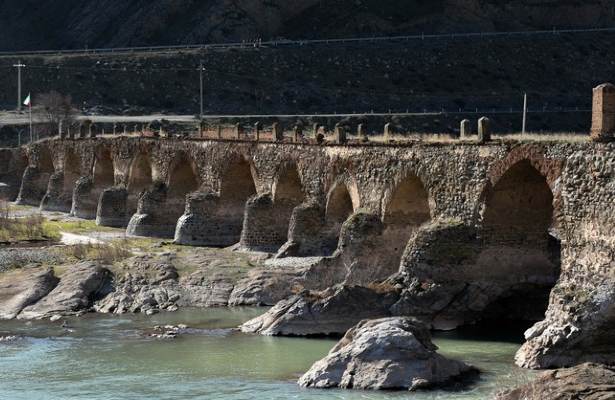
(79, 287)
(387, 354)
(586, 381)
(149, 286)
(330, 312)
(18, 291)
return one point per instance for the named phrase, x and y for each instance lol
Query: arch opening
(287, 194)
(520, 245)
(236, 187)
(140, 179)
(407, 209)
(104, 174)
(338, 209)
(182, 180)
(45, 161)
(72, 171)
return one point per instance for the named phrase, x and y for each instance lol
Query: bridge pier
(56, 198)
(263, 229)
(208, 221)
(112, 208)
(33, 186)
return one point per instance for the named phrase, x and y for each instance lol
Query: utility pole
(201, 70)
(19, 66)
(524, 113)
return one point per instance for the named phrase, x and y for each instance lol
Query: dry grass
(106, 253)
(414, 137)
(565, 137)
(30, 228)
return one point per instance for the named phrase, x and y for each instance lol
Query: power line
(305, 42)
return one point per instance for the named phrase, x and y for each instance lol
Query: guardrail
(298, 43)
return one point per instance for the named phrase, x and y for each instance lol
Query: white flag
(26, 102)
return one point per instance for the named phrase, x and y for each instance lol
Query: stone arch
(72, 170)
(288, 187)
(140, 174)
(519, 250)
(103, 174)
(287, 194)
(236, 186)
(36, 177)
(405, 208)
(521, 201)
(182, 178)
(45, 161)
(139, 179)
(340, 205)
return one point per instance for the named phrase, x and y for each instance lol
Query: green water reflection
(107, 357)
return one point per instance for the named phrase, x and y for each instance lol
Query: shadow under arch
(36, 177)
(287, 194)
(342, 201)
(139, 180)
(72, 170)
(405, 211)
(519, 243)
(182, 180)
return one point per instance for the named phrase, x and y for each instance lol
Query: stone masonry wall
(461, 180)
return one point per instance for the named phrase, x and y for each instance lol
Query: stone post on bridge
(238, 131)
(277, 132)
(484, 130)
(114, 132)
(361, 133)
(201, 124)
(387, 131)
(91, 131)
(219, 132)
(603, 113)
(297, 133)
(257, 131)
(61, 130)
(465, 129)
(339, 134)
(82, 130)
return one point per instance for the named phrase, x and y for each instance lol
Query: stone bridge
(529, 216)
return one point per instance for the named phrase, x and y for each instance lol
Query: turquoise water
(107, 357)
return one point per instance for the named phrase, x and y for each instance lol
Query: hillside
(33, 24)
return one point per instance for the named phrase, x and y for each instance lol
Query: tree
(53, 108)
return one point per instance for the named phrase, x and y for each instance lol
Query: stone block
(484, 130)
(339, 134)
(465, 129)
(112, 210)
(603, 113)
(277, 132)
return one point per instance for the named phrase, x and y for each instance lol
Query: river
(105, 357)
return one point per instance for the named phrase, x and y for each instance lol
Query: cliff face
(31, 24)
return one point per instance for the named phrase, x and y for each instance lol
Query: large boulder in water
(79, 286)
(328, 312)
(388, 354)
(22, 288)
(586, 381)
